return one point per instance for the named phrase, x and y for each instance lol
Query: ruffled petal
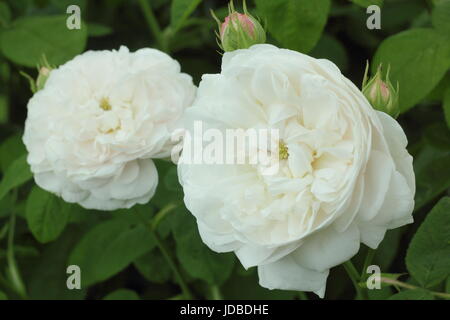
(287, 274)
(328, 248)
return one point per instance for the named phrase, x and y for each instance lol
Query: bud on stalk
(44, 73)
(44, 70)
(239, 31)
(382, 95)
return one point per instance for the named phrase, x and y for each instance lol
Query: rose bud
(382, 95)
(44, 73)
(239, 31)
(44, 69)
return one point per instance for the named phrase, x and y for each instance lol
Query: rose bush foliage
(118, 250)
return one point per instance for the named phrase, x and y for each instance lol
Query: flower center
(105, 105)
(283, 151)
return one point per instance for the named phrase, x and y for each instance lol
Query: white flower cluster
(344, 175)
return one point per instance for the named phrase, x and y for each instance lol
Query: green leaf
(199, 261)
(29, 38)
(153, 267)
(397, 15)
(46, 214)
(330, 48)
(3, 296)
(110, 247)
(169, 188)
(46, 276)
(17, 174)
(380, 294)
(171, 180)
(10, 150)
(432, 174)
(416, 294)
(5, 14)
(441, 17)
(419, 59)
(296, 24)
(437, 94)
(428, 255)
(446, 106)
(122, 294)
(180, 11)
(388, 249)
(366, 3)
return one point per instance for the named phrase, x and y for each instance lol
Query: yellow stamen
(104, 104)
(283, 151)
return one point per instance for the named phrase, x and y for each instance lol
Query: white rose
(347, 178)
(93, 130)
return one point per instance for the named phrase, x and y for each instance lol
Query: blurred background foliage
(119, 252)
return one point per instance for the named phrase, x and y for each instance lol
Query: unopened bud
(44, 70)
(239, 30)
(381, 94)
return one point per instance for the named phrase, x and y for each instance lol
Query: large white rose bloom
(93, 130)
(347, 177)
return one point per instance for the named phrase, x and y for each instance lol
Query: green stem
(153, 25)
(354, 276)
(412, 287)
(13, 270)
(162, 214)
(215, 293)
(184, 287)
(160, 244)
(369, 257)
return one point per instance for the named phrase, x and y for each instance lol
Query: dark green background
(117, 254)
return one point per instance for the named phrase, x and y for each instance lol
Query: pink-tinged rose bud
(237, 19)
(239, 30)
(381, 94)
(381, 88)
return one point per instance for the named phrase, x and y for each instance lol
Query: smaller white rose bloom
(93, 130)
(344, 175)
